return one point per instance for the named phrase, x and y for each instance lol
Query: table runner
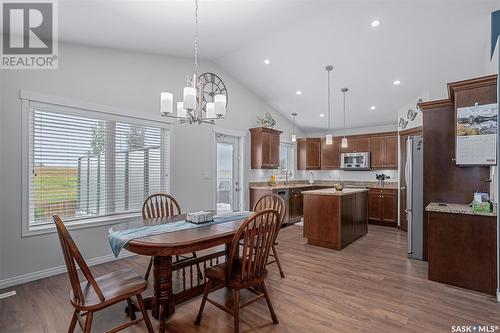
(118, 239)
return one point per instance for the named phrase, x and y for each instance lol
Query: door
(266, 150)
(313, 154)
(377, 151)
(362, 145)
(389, 208)
(330, 154)
(227, 173)
(391, 152)
(375, 206)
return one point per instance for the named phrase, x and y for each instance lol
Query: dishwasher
(284, 194)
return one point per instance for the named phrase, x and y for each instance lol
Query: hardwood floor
(370, 286)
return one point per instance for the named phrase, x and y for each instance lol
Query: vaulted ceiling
(423, 44)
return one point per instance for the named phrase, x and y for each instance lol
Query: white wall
(119, 79)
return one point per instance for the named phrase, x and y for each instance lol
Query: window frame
(29, 100)
(290, 146)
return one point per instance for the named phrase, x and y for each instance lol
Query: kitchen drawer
(388, 191)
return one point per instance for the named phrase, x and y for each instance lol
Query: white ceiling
(425, 44)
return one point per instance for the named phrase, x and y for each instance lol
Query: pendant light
(294, 136)
(344, 139)
(329, 136)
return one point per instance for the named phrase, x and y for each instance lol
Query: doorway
(227, 182)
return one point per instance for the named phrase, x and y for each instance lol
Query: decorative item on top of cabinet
(265, 148)
(309, 154)
(267, 120)
(384, 151)
(383, 206)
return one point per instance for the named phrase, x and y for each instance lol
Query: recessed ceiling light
(267, 61)
(375, 23)
(298, 92)
(322, 115)
(373, 107)
(397, 83)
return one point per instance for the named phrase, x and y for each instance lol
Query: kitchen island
(334, 219)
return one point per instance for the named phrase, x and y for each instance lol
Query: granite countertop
(305, 183)
(332, 191)
(452, 208)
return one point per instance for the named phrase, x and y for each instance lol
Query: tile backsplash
(263, 175)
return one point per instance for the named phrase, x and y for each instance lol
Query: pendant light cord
(344, 108)
(195, 37)
(329, 93)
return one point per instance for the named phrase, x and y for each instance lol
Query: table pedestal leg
(162, 302)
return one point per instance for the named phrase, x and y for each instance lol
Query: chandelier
(192, 109)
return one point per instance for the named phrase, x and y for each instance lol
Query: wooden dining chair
(164, 205)
(98, 293)
(273, 201)
(247, 271)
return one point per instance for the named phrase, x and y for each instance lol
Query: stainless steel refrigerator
(414, 176)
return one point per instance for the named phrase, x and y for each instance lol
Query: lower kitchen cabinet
(383, 206)
(293, 197)
(462, 250)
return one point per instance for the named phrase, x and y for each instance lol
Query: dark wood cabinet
(377, 152)
(362, 145)
(444, 181)
(309, 154)
(334, 221)
(383, 206)
(462, 251)
(265, 148)
(384, 151)
(356, 144)
(315, 154)
(391, 152)
(330, 154)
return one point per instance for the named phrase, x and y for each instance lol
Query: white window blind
(85, 166)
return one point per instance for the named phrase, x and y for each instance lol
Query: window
(287, 159)
(85, 165)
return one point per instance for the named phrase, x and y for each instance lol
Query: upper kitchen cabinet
(356, 144)
(309, 154)
(384, 151)
(330, 154)
(265, 148)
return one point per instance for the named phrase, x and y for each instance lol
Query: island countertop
(332, 191)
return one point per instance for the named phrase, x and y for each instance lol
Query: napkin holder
(200, 217)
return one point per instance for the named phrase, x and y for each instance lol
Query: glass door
(227, 177)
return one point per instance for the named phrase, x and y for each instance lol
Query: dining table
(162, 247)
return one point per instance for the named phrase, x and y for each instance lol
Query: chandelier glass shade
(191, 110)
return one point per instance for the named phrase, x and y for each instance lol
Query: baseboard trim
(16, 280)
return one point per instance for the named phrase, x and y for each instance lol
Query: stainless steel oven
(355, 161)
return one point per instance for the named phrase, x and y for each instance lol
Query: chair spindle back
(71, 255)
(160, 205)
(271, 201)
(257, 233)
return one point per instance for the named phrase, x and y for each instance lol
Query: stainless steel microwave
(355, 161)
